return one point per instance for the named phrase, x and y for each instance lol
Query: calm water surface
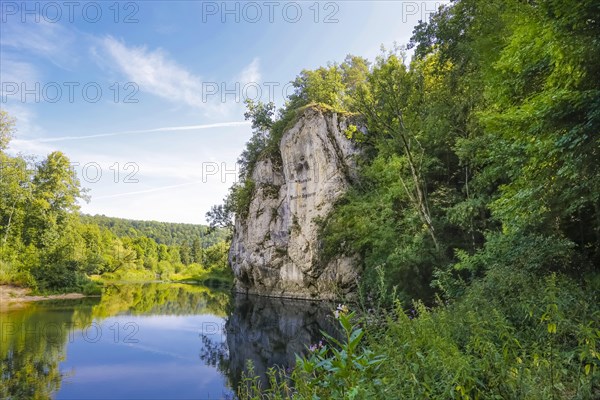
(151, 341)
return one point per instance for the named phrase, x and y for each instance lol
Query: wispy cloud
(49, 40)
(154, 130)
(251, 73)
(17, 71)
(155, 72)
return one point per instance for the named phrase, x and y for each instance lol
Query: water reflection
(270, 331)
(163, 299)
(150, 341)
(32, 343)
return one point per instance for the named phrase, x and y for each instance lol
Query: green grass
(214, 277)
(128, 275)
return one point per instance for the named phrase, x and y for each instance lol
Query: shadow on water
(196, 339)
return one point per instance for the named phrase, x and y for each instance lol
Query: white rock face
(275, 249)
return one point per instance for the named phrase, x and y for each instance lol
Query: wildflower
(312, 348)
(342, 308)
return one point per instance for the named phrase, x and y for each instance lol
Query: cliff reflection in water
(270, 331)
(193, 338)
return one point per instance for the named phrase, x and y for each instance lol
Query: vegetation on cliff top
(329, 89)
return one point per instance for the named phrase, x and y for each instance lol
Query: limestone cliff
(275, 248)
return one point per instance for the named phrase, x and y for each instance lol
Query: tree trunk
(12, 211)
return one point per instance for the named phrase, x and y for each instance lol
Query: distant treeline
(168, 233)
(46, 244)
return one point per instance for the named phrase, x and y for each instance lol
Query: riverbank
(13, 296)
(211, 277)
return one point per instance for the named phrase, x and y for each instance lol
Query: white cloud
(251, 73)
(154, 72)
(157, 73)
(45, 39)
(27, 147)
(17, 71)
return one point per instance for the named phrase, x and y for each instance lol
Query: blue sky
(146, 97)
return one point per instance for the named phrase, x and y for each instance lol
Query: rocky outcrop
(274, 250)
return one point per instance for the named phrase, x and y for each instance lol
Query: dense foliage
(169, 233)
(47, 245)
(479, 187)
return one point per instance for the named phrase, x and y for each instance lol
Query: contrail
(165, 129)
(157, 189)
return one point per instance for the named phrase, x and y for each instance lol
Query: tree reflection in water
(33, 338)
(32, 344)
(267, 331)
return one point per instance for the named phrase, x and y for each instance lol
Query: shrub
(337, 369)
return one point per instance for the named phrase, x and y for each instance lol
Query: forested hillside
(161, 232)
(476, 214)
(47, 245)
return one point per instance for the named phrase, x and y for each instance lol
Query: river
(151, 341)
